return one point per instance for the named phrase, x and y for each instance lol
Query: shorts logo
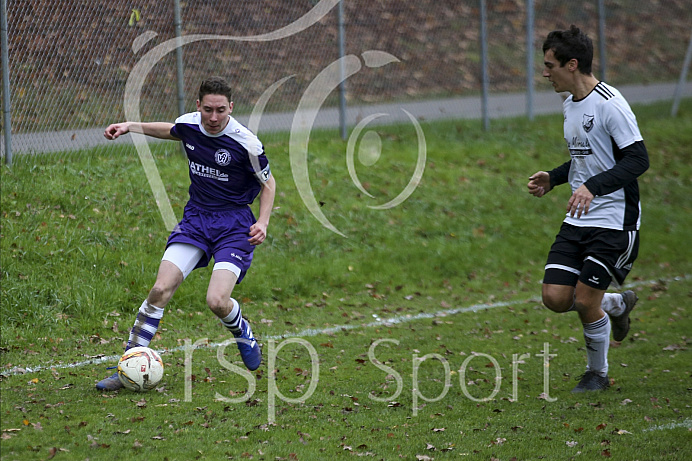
(222, 157)
(587, 122)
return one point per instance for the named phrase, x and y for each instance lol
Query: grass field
(418, 336)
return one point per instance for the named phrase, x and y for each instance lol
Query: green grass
(82, 239)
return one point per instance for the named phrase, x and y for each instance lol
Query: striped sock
(146, 324)
(232, 320)
(597, 337)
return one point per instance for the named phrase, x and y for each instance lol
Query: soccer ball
(140, 369)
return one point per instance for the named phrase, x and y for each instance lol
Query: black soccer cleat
(621, 323)
(592, 381)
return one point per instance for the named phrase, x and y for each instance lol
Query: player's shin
(232, 320)
(597, 337)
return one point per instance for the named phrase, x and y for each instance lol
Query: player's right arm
(542, 182)
(539, 183)
(160, 130)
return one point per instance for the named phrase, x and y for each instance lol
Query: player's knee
(219, 305)
(555, 306)
(556, 300)
(159, 295)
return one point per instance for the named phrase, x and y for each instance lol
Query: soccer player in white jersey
(228, 170)
(599, 237)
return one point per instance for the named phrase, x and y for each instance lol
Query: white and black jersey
(607, 155)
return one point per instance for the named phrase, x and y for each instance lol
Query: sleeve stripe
(603, 91)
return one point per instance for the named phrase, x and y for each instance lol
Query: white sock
(597, 337)
(232, 320)
(613, 304)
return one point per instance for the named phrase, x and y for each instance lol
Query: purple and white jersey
(226, 169)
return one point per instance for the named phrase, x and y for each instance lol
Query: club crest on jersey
(222, 157)
(587, 122)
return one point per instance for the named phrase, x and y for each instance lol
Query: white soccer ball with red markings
(140, 369)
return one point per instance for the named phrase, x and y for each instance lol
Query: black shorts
(597, 257)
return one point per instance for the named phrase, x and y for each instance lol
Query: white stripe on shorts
(227, 266)
(622, 260)
(594, 260)
(562, 267)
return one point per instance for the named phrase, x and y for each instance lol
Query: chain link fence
(70, 61)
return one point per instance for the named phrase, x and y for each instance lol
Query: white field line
(665, 427)
(18, 370)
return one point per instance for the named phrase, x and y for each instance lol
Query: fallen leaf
(601, 426)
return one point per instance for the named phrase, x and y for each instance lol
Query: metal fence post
(342, 84)
(484, 67)
(681, 81)
(529, 59)
(602, 38)
(6, 104)
(180, 79)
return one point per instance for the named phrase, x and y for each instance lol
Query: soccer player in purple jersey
(228, 170)
(599, 237)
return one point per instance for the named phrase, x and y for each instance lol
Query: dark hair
(571, 44)
(215, 85)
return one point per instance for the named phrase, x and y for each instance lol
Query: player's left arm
(634, 162)
(258, 231)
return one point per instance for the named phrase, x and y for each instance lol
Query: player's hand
(579, 202)
(116, 130)
(539, 184)
(258, 233)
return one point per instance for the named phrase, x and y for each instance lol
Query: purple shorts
(222, 234)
